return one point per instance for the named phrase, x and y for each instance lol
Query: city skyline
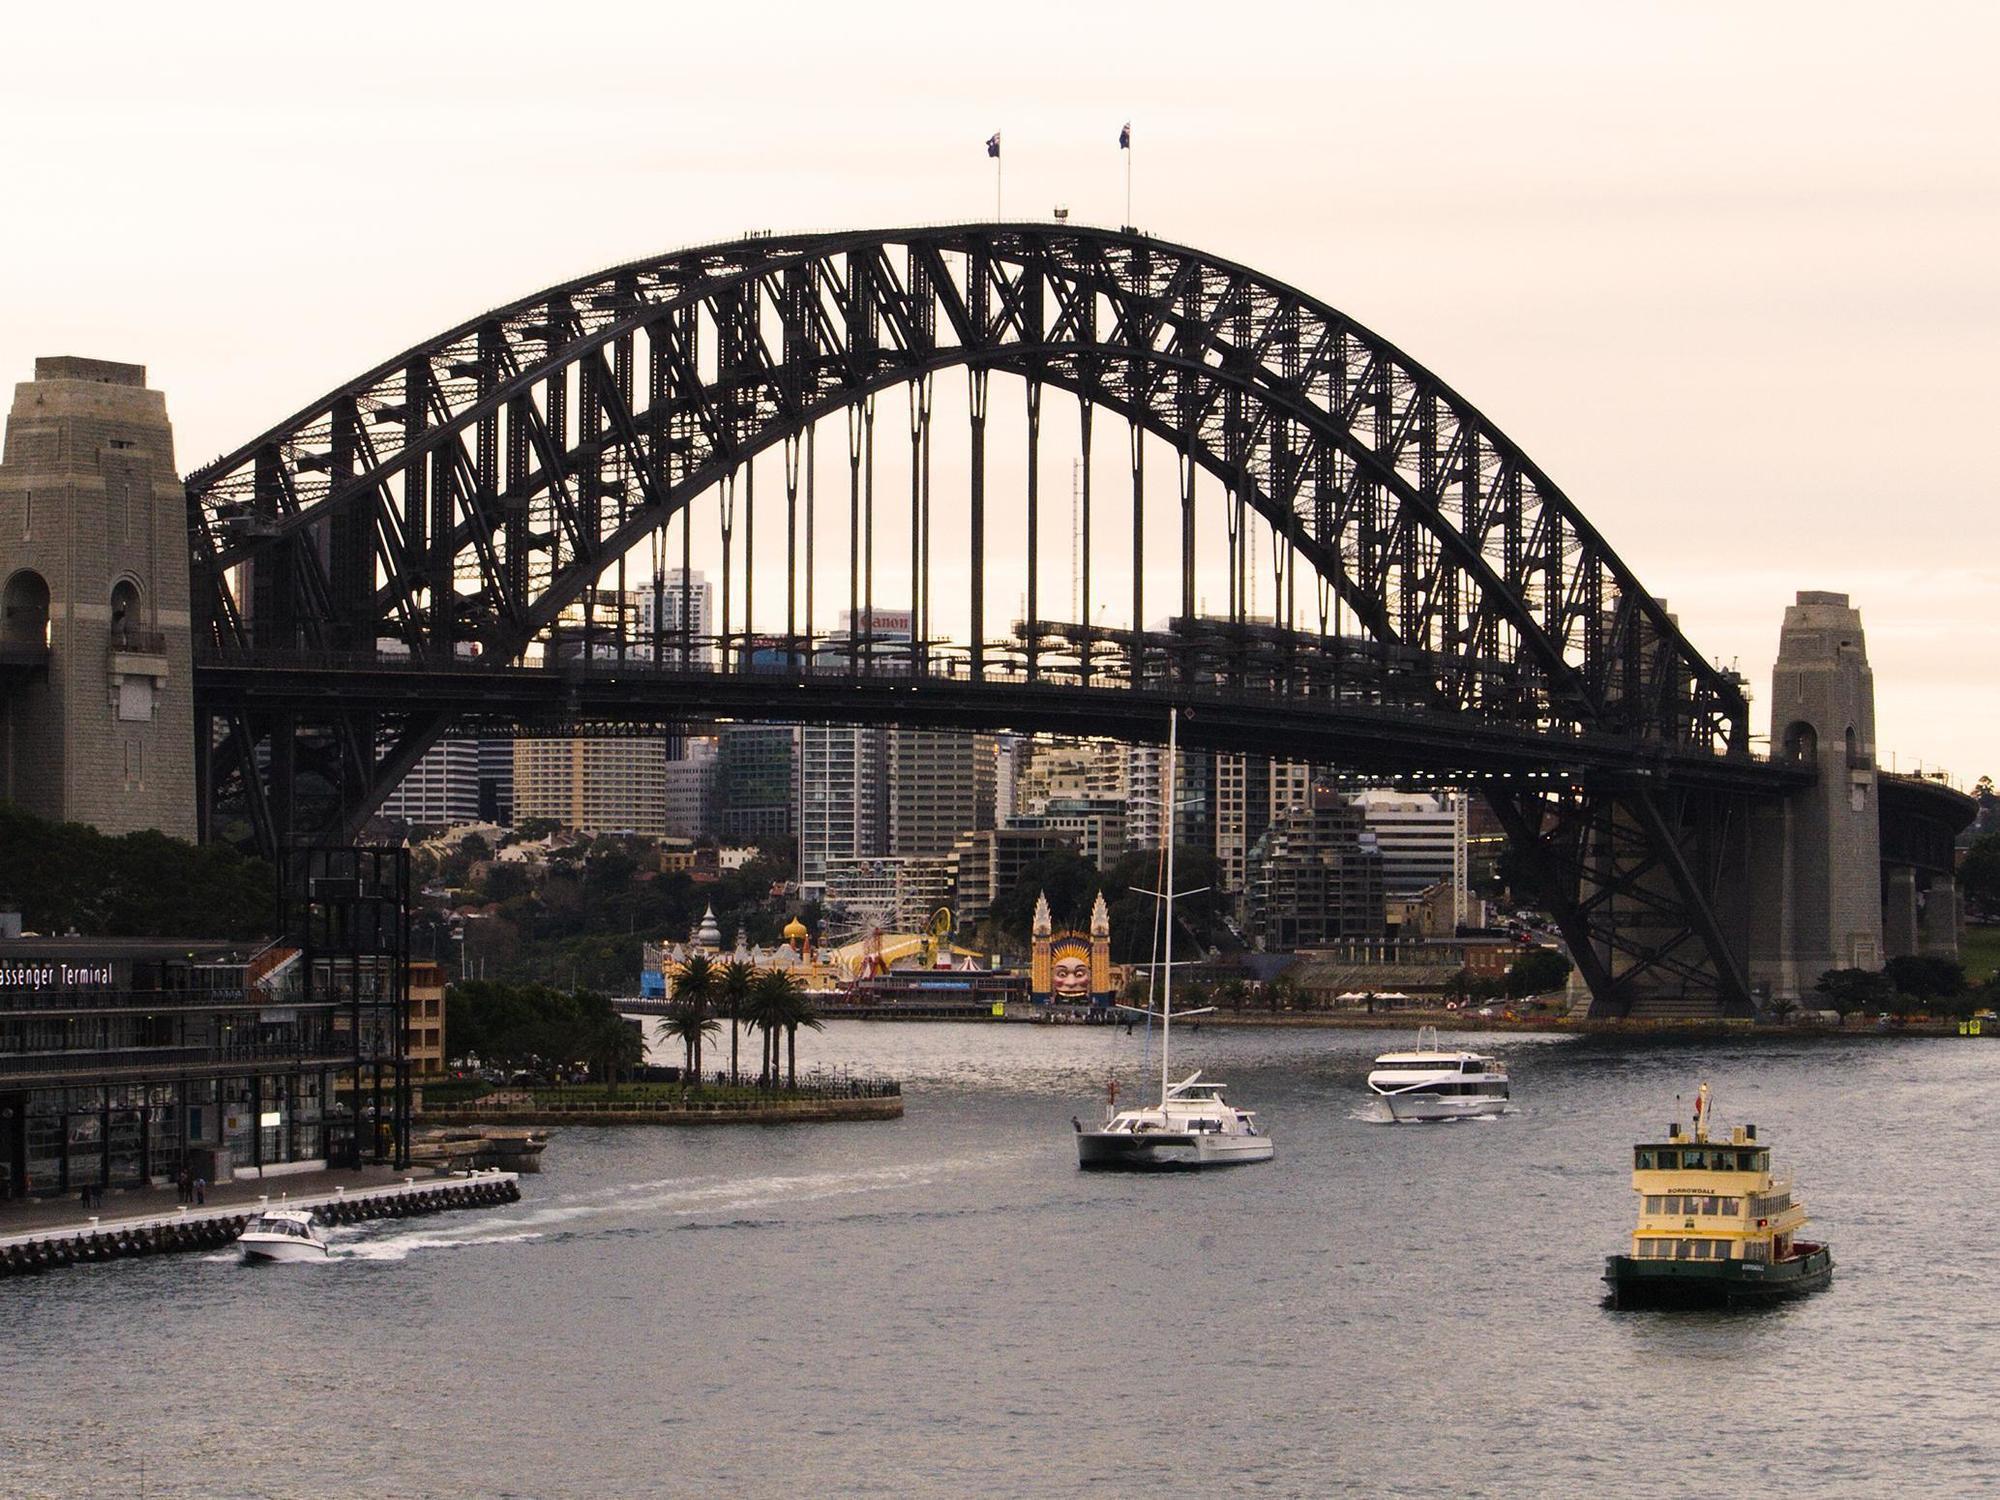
(1663, 253)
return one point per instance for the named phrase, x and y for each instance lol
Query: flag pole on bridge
(993, 150)
(1125, 145)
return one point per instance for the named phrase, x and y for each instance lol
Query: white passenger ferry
(1433, 1084)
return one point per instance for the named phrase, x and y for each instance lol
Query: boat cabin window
(1694, 1161)
(1760, 1161)
(1722, 1161)
(1656, 1158)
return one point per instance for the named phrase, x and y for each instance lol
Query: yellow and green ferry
(1716, 1227)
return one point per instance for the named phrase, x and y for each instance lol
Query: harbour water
(945, 1305)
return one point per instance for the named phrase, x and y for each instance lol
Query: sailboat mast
(1167, 983)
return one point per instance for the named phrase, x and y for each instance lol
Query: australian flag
(993, 144)
(1125, 137)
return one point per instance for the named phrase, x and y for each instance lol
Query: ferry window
(1763, 1159)
(1720, 1250)
(1643, 1159)
(1711, 1205)
(1694, 1161)
(1725, 1161)
(1732, 1206)
(1683, 1249)
(1669, 1160)
(1653, 1204)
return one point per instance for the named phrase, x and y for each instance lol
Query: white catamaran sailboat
(1193, 1125)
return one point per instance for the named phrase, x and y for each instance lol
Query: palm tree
(696, 985)
(687, 1023)
(799, 1012)
(615, 1048)
(770, 1003)
(738, 978)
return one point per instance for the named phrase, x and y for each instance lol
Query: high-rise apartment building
(1315, 876)
(941, 784)
(496, 782)
(441, 789)
(686, 602)
(843, 798)
(1249, 792)
(614, 785)
(1146, 795)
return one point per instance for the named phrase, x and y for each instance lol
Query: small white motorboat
(283, 1234)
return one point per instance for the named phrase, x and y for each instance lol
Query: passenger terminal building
(124, 1060)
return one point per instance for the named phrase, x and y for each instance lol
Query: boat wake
(635, 1207)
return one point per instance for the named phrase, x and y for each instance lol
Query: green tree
(798, 1012)
(689, 1024)
(1536, 971)
(1781, 1009)
(737, 980)
(1851, 990)
(1198, 916)
(1926, 977)
(697, 981)
(1979, 875)
(768, 1010)
(1069, 881)
(504, 882)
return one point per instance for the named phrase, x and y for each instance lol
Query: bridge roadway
(1350, 729)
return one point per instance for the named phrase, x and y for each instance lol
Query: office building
(693, 783)
(757, 793)
(988, 863)
(124, 1061)
(1422, 838)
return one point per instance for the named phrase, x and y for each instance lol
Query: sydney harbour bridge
(1171, 480)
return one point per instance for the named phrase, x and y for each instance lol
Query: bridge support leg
(1899, 912)
(1940, 921)
(1637, 882)
(1815, 895)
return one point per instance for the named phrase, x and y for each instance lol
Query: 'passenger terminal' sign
(25, 976)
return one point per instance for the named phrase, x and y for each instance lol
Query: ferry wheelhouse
(1716, 1226)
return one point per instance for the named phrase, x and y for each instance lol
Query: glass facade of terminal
(123, 1062)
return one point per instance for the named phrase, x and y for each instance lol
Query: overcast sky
(1727, 272)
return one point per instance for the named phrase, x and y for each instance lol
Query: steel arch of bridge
(471, 491)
